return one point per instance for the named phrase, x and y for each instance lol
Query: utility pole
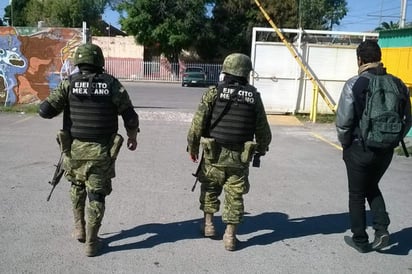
(403, 14)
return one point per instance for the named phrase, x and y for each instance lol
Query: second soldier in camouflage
(230, 126)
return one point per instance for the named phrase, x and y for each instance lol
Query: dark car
(194, 76)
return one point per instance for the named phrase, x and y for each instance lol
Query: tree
(230, 22)
(169, 25)
(225, 27)
(387, 26)
(69, 13)
(335, 10)
(233, 22)
(15, 13)
(321, 14)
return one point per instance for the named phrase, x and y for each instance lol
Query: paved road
(296, 209)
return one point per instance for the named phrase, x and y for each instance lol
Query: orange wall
(31, 61)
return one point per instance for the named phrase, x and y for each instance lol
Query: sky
(366, 15)
(363, 15)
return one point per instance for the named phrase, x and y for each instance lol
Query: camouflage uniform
(224, 166)
(89, 163)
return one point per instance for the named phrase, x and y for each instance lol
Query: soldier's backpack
(382, 123)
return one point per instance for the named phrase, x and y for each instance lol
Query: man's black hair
(369, 51)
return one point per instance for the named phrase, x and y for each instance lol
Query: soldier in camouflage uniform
(231, 125)
(91, 101)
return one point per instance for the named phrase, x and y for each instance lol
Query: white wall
(283, 84)
(119, 46)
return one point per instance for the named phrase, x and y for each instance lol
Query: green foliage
(233, 21)
(321, 14)
(26, 108)
(387, 26)
(320, 118)
(72, 13)
(169, 25)
(15, 13)
(68, 13)
(173, 25)
(408, 144)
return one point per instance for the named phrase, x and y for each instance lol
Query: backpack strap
(405, 150)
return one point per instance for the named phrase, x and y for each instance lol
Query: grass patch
(320, 118)
(408, 144)
(26, 108)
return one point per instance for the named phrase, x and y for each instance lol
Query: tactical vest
(93, 115)
(237, 123)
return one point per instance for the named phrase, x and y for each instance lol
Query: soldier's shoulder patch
(122, 89)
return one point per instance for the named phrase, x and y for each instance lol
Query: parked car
(194, 76)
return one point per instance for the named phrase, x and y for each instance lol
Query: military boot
(229, 238)
(93, 243)
(79, 232)
(208, 229)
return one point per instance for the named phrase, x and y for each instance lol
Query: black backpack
(382, 122)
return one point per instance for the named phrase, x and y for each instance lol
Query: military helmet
(237, 64)
(89, 54)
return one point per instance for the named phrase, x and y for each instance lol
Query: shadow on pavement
(153, 234)
(400, 242)
(150, 235)
(281, 227)
(264, 229)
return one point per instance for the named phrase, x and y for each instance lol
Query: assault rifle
(58, 173)
(197, 173)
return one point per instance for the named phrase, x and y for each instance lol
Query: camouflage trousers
(229, 175)
(89, 168)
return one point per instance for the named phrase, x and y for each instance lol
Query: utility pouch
(249, 149)
(209, 148)
(64, 139)
(117, 144)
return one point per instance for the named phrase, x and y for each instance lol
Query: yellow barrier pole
(323, 93)
(314, 108)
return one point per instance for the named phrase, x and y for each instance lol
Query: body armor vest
(234, 123)
(93, 115)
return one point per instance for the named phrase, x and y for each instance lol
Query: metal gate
(329, 55)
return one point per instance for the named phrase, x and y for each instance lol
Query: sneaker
(361, 248)
(381, 241)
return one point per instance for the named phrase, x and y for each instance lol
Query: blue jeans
(364, 169)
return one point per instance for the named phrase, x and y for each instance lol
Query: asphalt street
(296, 208)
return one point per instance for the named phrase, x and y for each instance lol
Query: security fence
(290, 83)
(134, 69)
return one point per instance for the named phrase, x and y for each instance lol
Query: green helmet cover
(89, 54)
(237, 64)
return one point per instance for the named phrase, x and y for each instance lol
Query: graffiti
(12, 63)
(33, 61)
(67, 58)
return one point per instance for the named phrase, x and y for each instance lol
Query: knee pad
(78, 190)
(96, 197)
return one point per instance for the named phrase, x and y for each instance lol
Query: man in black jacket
(365, 166)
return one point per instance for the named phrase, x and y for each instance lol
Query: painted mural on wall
(33, 61)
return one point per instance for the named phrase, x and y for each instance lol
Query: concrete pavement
(296, 208)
